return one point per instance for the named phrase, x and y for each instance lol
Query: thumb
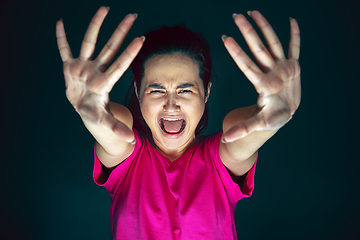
(243, 129)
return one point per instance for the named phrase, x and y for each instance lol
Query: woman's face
(172, 100)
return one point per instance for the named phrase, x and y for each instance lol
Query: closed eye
(185, 91)
(156, 91)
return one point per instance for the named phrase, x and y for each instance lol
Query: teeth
(171, 119)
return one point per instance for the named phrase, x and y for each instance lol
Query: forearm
(244, 148)
(110, 148)
(105, 137)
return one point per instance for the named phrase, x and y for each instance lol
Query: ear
(136, 91)
(207, 94)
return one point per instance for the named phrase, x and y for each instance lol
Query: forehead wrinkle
(171, 71)
(160, 74)
(156, 64)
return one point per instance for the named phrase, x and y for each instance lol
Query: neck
(173, 154)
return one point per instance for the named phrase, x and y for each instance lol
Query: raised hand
(88, 82)
(278, 80)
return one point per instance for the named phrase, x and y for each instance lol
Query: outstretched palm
(88, 82)
(278, 80)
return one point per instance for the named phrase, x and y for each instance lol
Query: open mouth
(172, 125)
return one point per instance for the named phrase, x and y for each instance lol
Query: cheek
(195, 109)
(149, 109)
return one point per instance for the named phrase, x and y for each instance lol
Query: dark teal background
(307, 177)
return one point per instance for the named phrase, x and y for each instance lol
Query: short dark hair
(170, 40)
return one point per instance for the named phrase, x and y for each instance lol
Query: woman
(166, 181)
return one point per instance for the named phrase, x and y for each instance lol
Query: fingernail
(108, 7)
(136, 15)
(249, 13)
(143, 38)
(234, 15)
(61, 20)
(223, 37)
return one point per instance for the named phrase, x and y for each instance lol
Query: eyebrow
(157, 86)
(185, 85)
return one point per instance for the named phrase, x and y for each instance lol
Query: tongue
(172, 126)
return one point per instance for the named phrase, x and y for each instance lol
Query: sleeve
(235, 191)
(112, 180)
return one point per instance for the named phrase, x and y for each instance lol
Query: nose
(170, 104)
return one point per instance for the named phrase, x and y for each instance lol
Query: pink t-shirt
(192, 197)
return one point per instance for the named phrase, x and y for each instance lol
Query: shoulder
(209, 145)
(213, 146)
(212, 139)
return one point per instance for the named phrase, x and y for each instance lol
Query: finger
(270, 36)
(108, 53)
(243, 129)
(88, 44)
(261, 54)
(119, 128)
(242, 60)
(294, 45)
(63, 45)
(117, 69)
